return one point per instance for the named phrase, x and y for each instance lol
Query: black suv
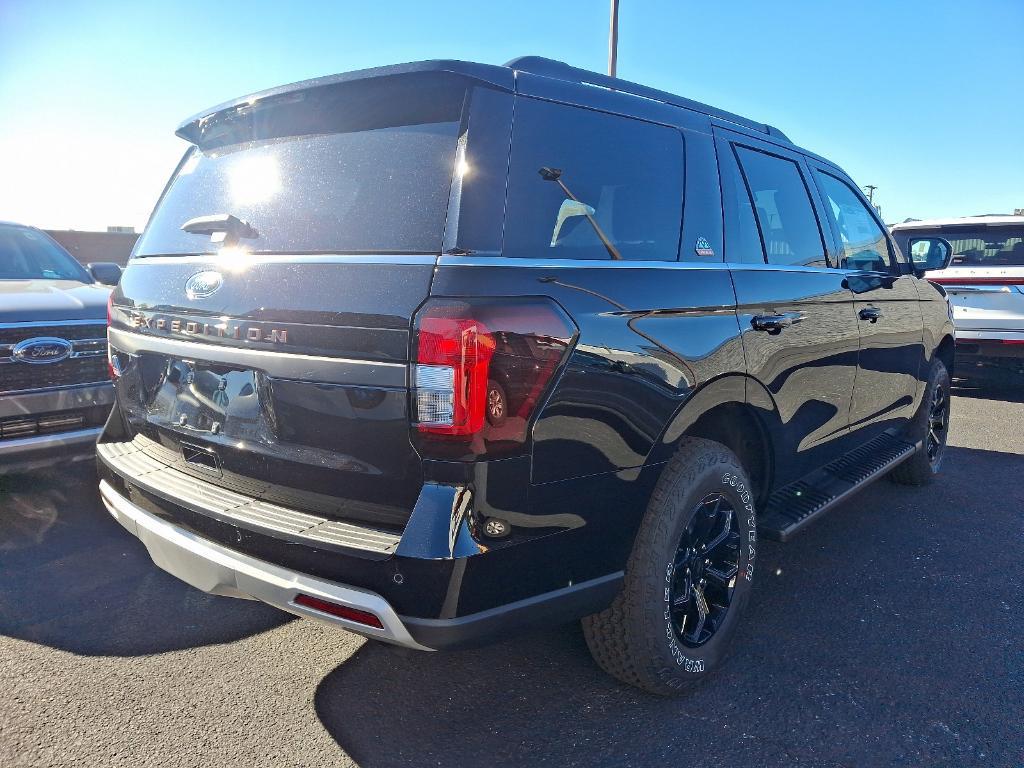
(437, 351)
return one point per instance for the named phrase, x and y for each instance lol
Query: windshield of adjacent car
(364, 167)
(983, 246)
(28, 254)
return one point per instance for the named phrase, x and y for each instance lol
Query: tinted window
(864, 244)
(27, 254)
(785, 217)
(980, 246)
(364, 167)
(743, 242)
(579, 179)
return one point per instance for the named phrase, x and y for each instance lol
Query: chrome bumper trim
(22, 447)
(218, 570)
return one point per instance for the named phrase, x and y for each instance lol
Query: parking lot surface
(890, 633)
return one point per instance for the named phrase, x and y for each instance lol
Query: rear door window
(589, 185)
(785, 217)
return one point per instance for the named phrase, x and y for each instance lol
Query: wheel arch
(735, 411)
(946, 352)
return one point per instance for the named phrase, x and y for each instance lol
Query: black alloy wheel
(705, 570)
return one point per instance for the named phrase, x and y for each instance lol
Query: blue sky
(922, 98)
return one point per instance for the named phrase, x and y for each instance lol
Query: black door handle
(870, 313)
(774, 324)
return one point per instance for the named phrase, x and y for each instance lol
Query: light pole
(613, 38)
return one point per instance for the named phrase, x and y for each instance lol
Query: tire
(637, 639)
(497, 404)
(921, 468)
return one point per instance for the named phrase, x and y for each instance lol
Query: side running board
(796, 505)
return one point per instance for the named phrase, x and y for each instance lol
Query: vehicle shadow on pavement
(1010, 390)
(852, 653)
(71, 578)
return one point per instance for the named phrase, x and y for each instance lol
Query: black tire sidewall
(939, 377)
(677, 663)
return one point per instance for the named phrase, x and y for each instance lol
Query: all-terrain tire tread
(615, 636)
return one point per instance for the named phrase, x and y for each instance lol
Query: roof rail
(538, 65)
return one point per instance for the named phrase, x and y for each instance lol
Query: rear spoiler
(192, 129)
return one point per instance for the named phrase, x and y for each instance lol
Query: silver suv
(985, 283)
(55, 391)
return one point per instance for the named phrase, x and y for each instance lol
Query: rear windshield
(975, 246)
(361, 167)
(27, 254)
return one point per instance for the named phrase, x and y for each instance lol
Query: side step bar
(798, 504)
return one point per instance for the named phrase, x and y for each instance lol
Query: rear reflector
(341, 611)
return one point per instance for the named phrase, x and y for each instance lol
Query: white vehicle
(985, 283)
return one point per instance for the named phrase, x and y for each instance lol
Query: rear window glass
(974, 246)
(587, 185)
(785, 216)
(363, 167)
(27, 254)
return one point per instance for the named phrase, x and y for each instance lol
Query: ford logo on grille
(42, 350)
(203, 284)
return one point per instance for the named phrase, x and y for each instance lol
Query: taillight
(482, 366)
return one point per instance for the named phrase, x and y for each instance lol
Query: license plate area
(205, 399)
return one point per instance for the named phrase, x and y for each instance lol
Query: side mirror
(105, 272)
(929, 253)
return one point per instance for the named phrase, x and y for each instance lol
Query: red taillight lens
(341, 611)
(453, 365)
(481, 368)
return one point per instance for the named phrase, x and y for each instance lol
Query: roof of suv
(500, 76)
(975, 220)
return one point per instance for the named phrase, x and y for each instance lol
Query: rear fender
(737, 411)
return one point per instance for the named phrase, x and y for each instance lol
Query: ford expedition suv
(55, 391)
(985, 283)
(439, 351)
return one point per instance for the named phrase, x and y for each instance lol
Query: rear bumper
(219, 570)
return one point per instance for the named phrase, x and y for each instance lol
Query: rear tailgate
(263, 324)
(289, 383)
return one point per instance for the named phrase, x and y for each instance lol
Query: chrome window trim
(513, 261)
(227, 262)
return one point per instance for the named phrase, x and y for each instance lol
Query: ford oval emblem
(203, 284)
(41, 350)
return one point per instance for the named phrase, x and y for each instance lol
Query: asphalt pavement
(888, 633)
